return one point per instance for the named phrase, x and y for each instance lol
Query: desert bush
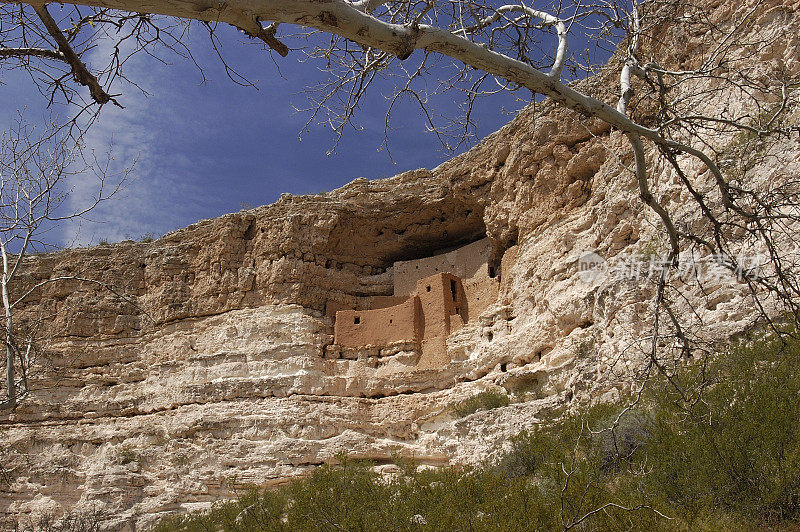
(486, 400)
(736, 446)
(724, 454)
(87, 520)
(126, 454)
(254, 510)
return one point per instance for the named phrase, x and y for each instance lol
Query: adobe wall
(386, 301)
(332, 307)
(441, 296)
(381, 327)
(466, 262)
(433, 297)
(371, 303)
(480, 293)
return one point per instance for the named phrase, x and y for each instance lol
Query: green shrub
(577, 467)
(260, 510)
(723, 454)
(736, 446)
(629, 438)
(486, 400)
(353, 497)
(127, 454)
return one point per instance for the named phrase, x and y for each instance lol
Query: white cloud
(153, 200)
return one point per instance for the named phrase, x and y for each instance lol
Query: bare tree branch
(34, 172)
(79, 70)
(32, 52)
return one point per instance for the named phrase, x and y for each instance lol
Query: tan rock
(213, 361)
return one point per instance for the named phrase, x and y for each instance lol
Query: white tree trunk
(347, 20)
(10, 369)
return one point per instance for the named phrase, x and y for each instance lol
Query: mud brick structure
(433, 297)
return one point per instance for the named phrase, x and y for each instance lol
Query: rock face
(432, 298)
(205, 368)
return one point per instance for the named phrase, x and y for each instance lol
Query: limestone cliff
(210, 372)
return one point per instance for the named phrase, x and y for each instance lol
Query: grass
(127, 454)
(486, 400)
(724, 454)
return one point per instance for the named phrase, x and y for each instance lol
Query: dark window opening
(356, 320)
(458, 310)
(453, 288)
(492, 272)
(503, 367)
(427, 288)
(390, 321)
(489, 336)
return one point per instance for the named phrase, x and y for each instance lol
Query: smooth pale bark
(32, 52)
(345, 19)
(11, 386)
(353, 22)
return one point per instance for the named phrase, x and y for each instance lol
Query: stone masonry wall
(215, 378)
(465, 262)
(380, 327)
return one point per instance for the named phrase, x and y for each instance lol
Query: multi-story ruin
(433, 297)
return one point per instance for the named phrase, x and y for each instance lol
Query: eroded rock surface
(205, 368)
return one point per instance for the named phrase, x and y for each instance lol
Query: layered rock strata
(204, 370)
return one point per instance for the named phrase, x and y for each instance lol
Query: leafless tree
(36, 173)
(492, 47)
(686, 84)
(690, 87)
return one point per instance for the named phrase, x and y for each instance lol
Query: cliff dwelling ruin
(433, 297)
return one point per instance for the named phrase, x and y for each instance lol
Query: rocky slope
(203, 370)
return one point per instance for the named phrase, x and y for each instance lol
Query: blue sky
(205, 149)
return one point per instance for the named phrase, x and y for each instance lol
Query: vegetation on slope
(486, 400)
(716, 448)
